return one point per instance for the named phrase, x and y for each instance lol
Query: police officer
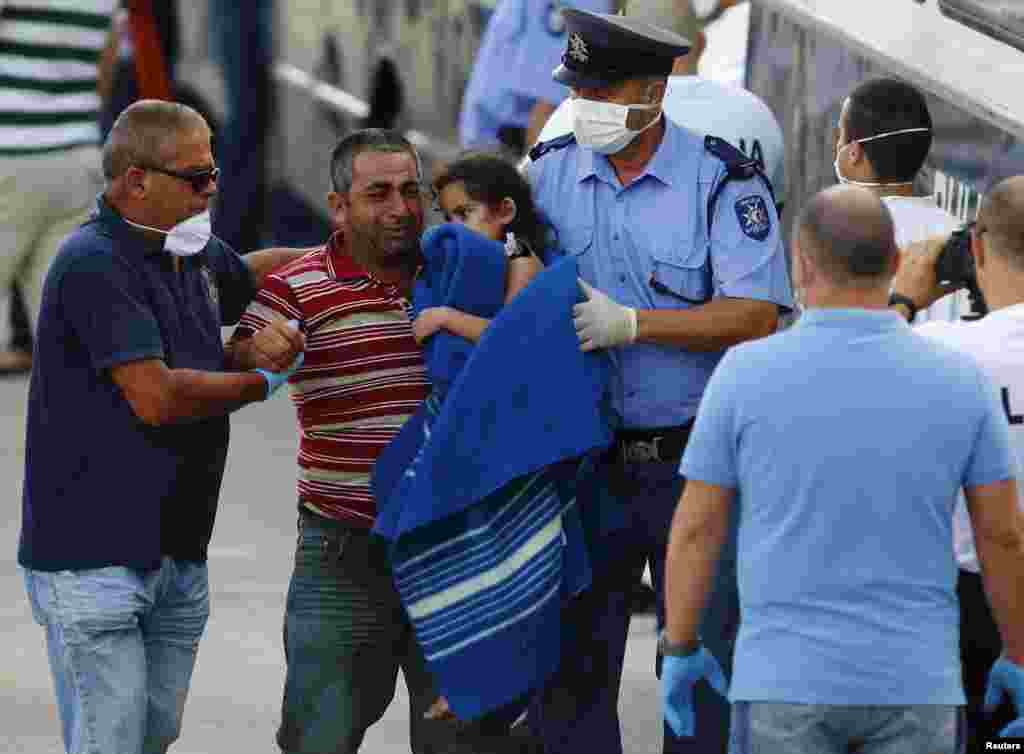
(510, 93)
(702, 104)
(680, 256)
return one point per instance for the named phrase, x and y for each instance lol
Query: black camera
(955, 267)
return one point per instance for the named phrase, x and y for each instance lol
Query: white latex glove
(600, 322)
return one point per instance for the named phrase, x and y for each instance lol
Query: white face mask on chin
(601, 126)
(188, 237)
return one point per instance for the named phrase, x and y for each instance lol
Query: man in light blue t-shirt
(843, 443)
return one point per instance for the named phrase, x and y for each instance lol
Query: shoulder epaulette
(736, 163)
(738, 167)
(541, 148)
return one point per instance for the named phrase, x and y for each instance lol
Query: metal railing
(350, 105)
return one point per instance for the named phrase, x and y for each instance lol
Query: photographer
(991, 259)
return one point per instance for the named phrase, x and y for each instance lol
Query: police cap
(603, 49)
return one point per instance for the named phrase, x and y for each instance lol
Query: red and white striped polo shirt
(363, 375)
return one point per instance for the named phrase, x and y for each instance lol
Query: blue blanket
(464, 270)
(477, 492)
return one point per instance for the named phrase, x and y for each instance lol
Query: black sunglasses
(198, 179)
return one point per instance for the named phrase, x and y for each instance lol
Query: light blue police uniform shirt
(846, 438)
(656, 228)
(522, 44)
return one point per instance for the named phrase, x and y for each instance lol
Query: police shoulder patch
(752, 212)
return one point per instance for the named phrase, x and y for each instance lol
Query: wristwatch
(899, 299)
(682, 649)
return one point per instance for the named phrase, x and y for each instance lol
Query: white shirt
(917, 218)
(997, 344)
(712, 107)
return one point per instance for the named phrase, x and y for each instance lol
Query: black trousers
(980, 645)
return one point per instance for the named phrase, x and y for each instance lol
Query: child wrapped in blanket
(486, 194)
(485, 546)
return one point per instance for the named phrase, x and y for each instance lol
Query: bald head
(848, 233)
(146, 134)
(1001, 218)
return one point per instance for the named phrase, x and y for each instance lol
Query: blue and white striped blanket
(477, 497)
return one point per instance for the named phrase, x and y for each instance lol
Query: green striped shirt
(49, 66)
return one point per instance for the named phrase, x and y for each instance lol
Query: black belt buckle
(652, 446)
(642, 451)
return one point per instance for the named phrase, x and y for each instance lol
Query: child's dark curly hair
(489, 178)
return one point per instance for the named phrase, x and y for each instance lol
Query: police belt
(651, 445)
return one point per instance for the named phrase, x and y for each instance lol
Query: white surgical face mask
(601, 126)
(188, 237)
(849, 181)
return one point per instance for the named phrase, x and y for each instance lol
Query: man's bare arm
(265, 261)
(717, 324)
(274, 348)
(699, 529)
(999, 538)
(160, 396)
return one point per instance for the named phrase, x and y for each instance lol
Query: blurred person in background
(139, 63)
(243, 46)
(148, 40)
(55, 74)
(510, 93)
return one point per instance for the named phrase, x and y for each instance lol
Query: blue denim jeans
(122, 644)
(771, 728)
(346, 635)
(345, 638)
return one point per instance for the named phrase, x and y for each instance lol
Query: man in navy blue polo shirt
(128, 432)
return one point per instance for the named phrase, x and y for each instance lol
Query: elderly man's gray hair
(145, 133)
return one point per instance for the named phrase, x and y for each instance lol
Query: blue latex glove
(1006, 678)
(678, 676)
(276, 379)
